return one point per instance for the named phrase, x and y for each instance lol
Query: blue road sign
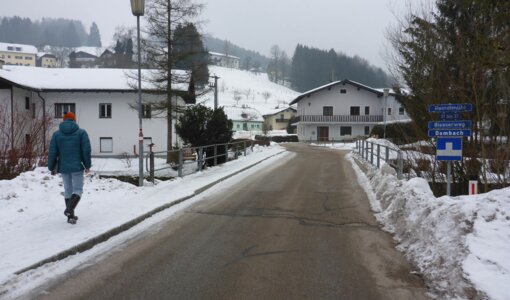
(460, 107)
(449, 115)
(462, 124)
(449, 132)
(449, 149)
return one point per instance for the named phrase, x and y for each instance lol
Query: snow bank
(458, 243)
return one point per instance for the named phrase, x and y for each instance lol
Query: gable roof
(246, 113)
(328, 86)
(279, 110)
(8, 47)
(83, 80)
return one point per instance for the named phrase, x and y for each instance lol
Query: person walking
(69, 155)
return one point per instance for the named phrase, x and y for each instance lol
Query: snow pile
(458, 243)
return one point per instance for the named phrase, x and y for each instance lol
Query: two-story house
(279, 119)
(104, 101)
(46, 60)
(343, 110)
(18, 54)
(224, 60)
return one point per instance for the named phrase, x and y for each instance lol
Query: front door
(323, 133)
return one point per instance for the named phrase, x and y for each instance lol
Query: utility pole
(215, 85)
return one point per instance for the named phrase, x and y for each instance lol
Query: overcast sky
(355, 27)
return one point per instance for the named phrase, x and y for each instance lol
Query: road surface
(299, 230)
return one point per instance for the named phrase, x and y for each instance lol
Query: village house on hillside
(244, 118)
(344, 110)
(279, 119)
(18, 54)
(224, 60)
(102, 99)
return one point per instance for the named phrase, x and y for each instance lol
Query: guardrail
(198, 155)
(393, 157)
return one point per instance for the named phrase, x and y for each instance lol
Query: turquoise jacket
(71, 145)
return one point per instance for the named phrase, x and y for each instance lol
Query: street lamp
(385, 113)
(138, 9)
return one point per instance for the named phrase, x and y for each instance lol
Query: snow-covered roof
(223, 55)
(42, 54)
(56, 79)
(279, 110)
(8, 47)
(239, 113)
(343, 82)
(96, 51)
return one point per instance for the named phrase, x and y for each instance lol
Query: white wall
(122, 126)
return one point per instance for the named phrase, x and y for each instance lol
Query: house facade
(244, 119)
(18, 54)
(102, 99)
(279, 120)
(46, 60)
(344, 110)
(224, 60)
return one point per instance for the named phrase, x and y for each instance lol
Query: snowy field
(33, 226)
(457, 243)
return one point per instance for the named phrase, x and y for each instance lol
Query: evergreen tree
(94, 38)
(189, 52)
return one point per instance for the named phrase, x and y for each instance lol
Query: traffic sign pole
(449, 179)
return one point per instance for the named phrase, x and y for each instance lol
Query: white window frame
(110, 139)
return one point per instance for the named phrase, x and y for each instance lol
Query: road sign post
(449, 133)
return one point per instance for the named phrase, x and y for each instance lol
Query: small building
(244, 118)
(46, 60)
(279, 119)
(104, 101)
(224, 60)
(18, 54)
(344, 110)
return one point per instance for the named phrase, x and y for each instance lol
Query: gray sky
(355, 27)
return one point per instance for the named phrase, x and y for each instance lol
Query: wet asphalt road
(301, 230)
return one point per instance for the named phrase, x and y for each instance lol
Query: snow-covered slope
(250, 88)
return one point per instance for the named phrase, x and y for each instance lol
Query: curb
(128, 225)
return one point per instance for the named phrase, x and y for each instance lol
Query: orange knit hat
(70, 115)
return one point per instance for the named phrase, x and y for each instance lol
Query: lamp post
(215, 85)
(385, 113)
(138, 9)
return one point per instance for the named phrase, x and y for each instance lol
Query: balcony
(282, 120)
(340, 119)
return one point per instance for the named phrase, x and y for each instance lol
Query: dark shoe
(72, 219)
(67, 201)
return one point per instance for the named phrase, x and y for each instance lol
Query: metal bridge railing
(375, 154)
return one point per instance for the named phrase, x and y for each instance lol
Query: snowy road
(297, 230)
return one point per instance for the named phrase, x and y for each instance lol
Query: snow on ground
(32, 222)
(251, 87)
(457, 243)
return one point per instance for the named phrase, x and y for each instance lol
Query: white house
(103, 100)
(244, 118)
(343, 110)
(224, 60)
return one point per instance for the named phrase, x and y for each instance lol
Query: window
(401, 110)
(27, 139)
(345, 130)
(27, 102)
(18, 57)
(355, 110)
(10, 48)
(367, 130)
(106, 145)
(28, 57)
(238, 126)
(389, 111)
(343, 91)
(105, 110)
(62, 108)
(327, 110)
(367, 110)
(281, 116)
(146, 111)
(18, 48)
